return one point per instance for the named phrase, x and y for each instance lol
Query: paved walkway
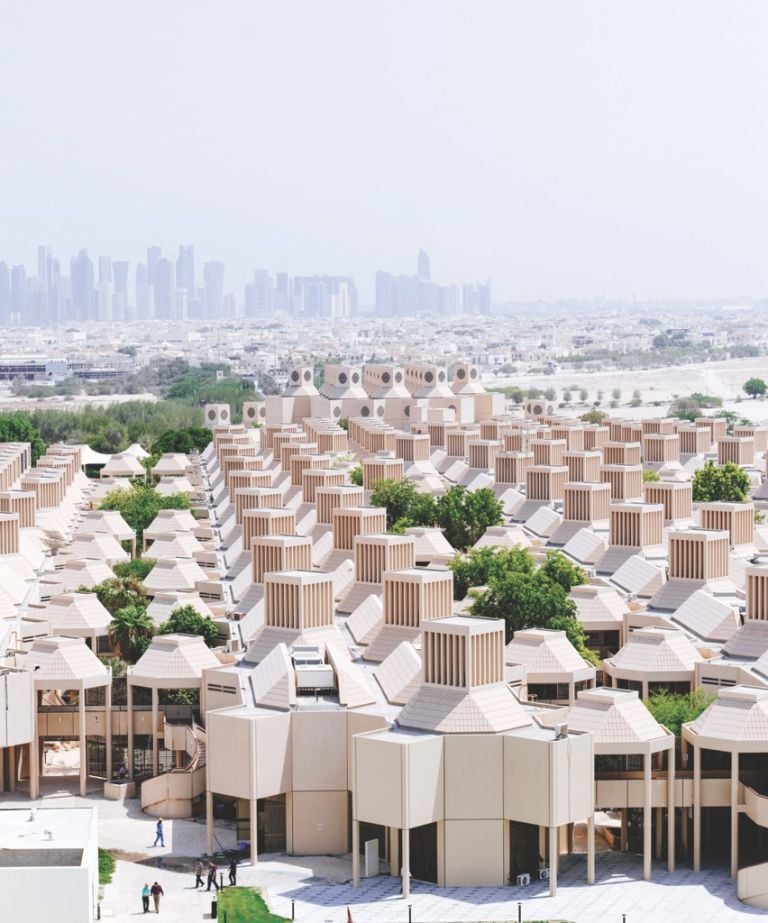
(321, 890)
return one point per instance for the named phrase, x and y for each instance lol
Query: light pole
(519, 912)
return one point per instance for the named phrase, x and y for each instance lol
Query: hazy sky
(562, 148)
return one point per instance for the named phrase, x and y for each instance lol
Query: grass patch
(245, 905)
(106, 866)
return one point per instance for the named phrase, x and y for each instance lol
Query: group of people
(201, 869)
(211, 869)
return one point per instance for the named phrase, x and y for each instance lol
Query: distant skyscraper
(264, 290)
(83, 294)
(45, 267)
(213, 276)
(5, 293)
(154, 253)
(185, 269)
(105, 269)
(120, 294)
(282, 292)
(422, 266)
(18, 294)
(383, 293)
(165, 290)
(120, 276)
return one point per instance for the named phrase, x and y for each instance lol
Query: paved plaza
(321, 888)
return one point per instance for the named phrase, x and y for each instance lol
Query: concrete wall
(17, 708)
(51, 893)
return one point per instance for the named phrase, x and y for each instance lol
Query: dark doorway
(523, 849)
(424, 853)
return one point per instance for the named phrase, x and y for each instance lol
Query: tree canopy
(189, 439)
(728, 482)
(16, 426)
(186, 620)
(140, 503)
(673, 710)
(130, 632)
(522, 594)
(462, 514)
(755, 387)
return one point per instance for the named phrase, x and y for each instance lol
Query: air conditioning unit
(523, 880)
(543, 874)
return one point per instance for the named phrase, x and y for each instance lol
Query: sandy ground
(720, 379)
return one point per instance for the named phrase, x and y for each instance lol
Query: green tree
(593, 416)
(17, 426)
(521, 594)
(650, 475)
(532, 601)
(583, 394)
(356, 476)
(404, 504)
(684, 408)
(186, 620)
(616, 394)
(479, 566)
(728, 482)
(189, 439)
(550, 394)
(140, 503)
(567, 397)
(138, 568)
(673, 709)
(464, 515)
(120, 593)
(754, 387)
(130, 632)
(560, 570)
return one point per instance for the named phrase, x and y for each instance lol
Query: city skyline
(161, 287)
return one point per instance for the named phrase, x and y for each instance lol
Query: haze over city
(580, 150)
(383, 461)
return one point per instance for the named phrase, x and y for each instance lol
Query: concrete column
(671, 810)
(591, 849)
(647, 816)
(659, 832)
(83, 751)
(2, 767)
(208, 821)
(394, 852)
(155, 754)
(406, 870)
(624, 831)
(697, 808)
(34, 754)
(254, 832)
(355, 853)
(108, 726)
(12, 767)
(645, 689)
(34, 769)
(569, 838)
(129, 699)
(554, 849)
(734, 814)
(289, 823)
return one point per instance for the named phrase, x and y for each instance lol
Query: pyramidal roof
(173, 660)
(102, 545)
(749, 642)
(657, 650)
(175, 574)
(400, 674)
(707, 617)
(353, 685)
(503, 537)
(598, 604)
(614, 716)
(60, 660)
(541, 650)
(738, 713)
(83, 572)
(485, 709)
(77, 612)
(273, 681)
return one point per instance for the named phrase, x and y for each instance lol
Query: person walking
(233, 872)
(156, 892)
(212, 876)
(145, 892)
(199, 868)
(159, 832)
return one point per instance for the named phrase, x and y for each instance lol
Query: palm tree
(130, 632)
